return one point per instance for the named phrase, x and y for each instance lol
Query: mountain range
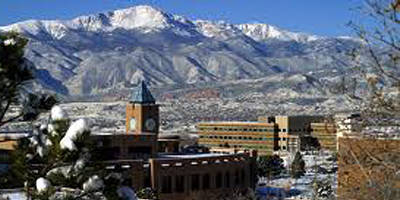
(107, 52)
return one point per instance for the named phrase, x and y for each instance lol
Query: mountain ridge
(100, 53)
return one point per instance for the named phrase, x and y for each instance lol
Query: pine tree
(269, 166)
(15, 75)
(56, 162)
(298, 166)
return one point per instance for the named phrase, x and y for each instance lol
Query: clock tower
(142, 112)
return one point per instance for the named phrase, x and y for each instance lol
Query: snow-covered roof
(233, 123)
(192, 156)
(14, 135)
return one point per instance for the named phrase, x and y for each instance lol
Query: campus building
(268, 134)
(259, 136)
(150, 159)
(326, 135)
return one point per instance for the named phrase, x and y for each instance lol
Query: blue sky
(321, 17)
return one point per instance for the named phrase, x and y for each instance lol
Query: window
(166, 184)
(227, 180)
(236, 178)
(206, 181)
(242, 176)
(180, 184)
(218, 180)
(195, 182)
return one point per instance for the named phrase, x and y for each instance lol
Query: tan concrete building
(258, 136)
(293, 131)
(326, 134)
(269, 134)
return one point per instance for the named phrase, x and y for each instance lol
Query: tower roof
(141, 94)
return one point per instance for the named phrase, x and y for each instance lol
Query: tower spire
(141, 94)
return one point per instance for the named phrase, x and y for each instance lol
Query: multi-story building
(326, 135)
(259, 136)
(294, 131)
(269, 134)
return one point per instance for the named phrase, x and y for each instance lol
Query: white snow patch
(76, 129)
(42, 184)
(94, 183)
(67, 143)
(41, 151)
(57, 113)
(9, 42)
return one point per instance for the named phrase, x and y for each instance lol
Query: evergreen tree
(57, 162)
(298, 166)
(269, 166)
(15, 74)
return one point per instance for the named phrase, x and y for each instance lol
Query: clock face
(132, 124)
(150, 124)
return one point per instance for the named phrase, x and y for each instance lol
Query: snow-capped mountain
(114, 50)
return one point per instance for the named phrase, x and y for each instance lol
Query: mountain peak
(260, 32)
(142, 16)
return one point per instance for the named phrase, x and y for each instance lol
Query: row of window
(226, 129)
(236, 129)
(203, 181)
(241, 146)
(226, 137)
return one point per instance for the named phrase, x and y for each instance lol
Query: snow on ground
(302, 188)
(12, 194)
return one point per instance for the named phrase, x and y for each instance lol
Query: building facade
(269, 134)
(262, 137)
(326, 135)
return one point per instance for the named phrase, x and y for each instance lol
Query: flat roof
(228, 123)
(194, 156)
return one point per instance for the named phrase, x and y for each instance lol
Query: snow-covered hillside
(110, 51)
